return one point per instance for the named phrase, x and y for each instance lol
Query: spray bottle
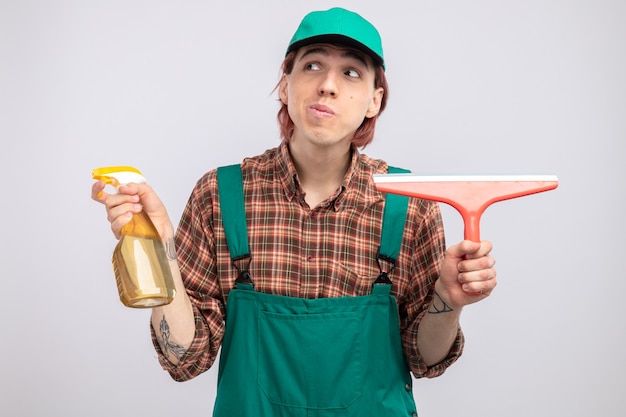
(142, 271)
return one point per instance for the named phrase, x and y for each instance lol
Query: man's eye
(312, 66)
(353, 73)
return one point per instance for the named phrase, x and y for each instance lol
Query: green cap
(339, 26)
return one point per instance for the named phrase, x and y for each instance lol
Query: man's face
(329, 93)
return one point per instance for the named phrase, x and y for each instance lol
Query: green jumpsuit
(293, 357)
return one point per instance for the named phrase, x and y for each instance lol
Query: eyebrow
(347, 53)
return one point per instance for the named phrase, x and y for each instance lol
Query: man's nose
(328, 86)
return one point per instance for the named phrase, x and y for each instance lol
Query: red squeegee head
(470, 195)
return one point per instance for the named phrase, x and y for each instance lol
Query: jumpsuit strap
(230, 190)
(392, 229)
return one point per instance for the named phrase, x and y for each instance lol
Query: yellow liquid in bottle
(142, 272)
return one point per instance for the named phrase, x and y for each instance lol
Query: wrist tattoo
(168, 347)
(438, 306)
(170, 249)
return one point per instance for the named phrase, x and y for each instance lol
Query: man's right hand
(130, 199)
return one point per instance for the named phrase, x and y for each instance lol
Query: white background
(179, 87)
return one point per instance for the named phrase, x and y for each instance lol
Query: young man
(312, 319)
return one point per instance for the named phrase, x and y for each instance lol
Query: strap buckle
(383, 277)
(244, 276)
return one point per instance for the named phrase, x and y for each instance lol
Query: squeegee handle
(471, 219)
(471, 224)
(472, 228)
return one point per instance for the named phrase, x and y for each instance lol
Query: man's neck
(321, 170)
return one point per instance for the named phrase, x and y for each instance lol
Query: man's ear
(282, 89)
(377, 100)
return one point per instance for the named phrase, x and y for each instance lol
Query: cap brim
(337, 40)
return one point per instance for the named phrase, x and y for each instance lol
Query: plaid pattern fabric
(298, 251)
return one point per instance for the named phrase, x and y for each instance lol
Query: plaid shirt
(298, 251)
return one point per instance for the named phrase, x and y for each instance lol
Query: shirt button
(407, 387)
(309, 258)
(413, 414)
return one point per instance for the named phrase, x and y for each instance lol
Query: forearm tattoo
(168, 347)
(170, 249)
(438, 306)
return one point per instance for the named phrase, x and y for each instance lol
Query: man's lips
(320, 110)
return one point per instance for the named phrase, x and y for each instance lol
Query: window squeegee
(470, 195)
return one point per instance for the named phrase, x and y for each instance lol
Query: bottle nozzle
(118, 175)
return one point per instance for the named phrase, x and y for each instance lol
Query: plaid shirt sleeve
(424, 253)
(195, 247)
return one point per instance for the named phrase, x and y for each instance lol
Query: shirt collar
(287, 172)
(357, 186)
